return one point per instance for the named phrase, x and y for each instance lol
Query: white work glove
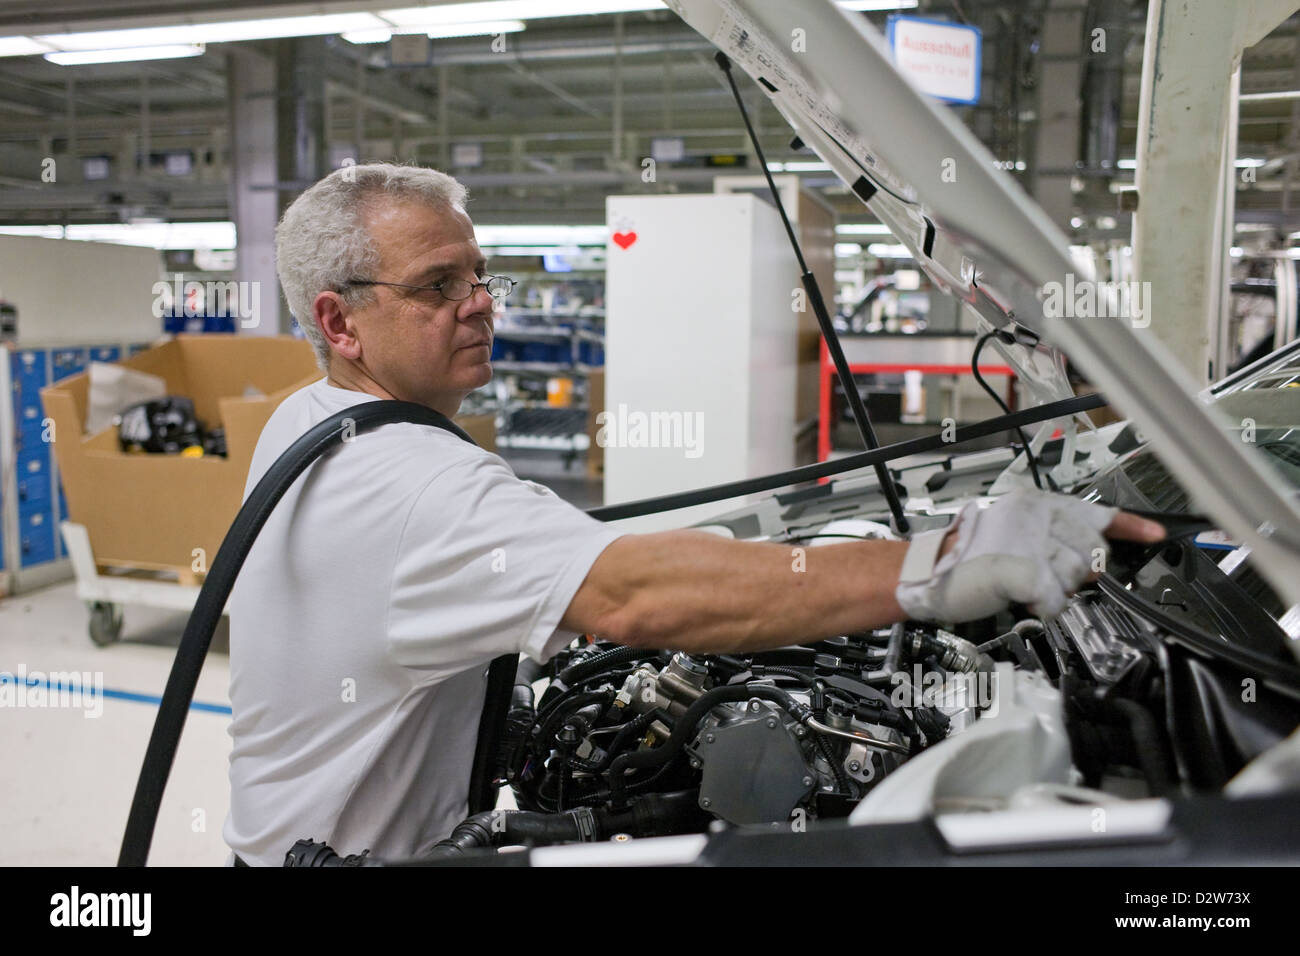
(1032, 547)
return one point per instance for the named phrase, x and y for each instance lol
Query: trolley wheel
(105, 623)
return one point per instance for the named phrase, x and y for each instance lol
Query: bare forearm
(694, 591)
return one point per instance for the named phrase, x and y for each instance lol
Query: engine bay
(1095, 707)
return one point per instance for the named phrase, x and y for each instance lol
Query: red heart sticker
(624, 239)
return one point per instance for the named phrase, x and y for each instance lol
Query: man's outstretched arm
(697, 592)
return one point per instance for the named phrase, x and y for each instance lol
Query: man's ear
(334, 318)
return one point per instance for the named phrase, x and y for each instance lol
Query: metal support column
(1181, 235)
(1059, 108)
(301, 141)
(253, 196)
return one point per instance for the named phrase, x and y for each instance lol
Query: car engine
(763, 739)
(627, 742)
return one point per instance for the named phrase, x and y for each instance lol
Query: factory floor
(70, 771)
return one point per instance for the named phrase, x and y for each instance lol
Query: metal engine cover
(754, 771)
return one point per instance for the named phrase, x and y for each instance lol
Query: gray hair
(322, 240)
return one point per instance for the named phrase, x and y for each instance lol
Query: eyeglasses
(453, 290)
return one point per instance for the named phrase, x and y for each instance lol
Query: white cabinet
(700, 347)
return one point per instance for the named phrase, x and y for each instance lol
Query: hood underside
(981, 239)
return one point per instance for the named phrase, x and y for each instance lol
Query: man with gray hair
(405, 560)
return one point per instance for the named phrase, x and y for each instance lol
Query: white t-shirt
(387, 578)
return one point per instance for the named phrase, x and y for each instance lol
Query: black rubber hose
(306, 853)
(893, 657)
(635, 726)
(184, 676)
(520, 718)
(685, 728)
(568, 705)
(1024, 439)
(472, 833)
(762, 670)
(841, 778)
(651, 815)
(592, 665)
(528, 672)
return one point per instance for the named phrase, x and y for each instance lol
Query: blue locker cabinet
(39, 501)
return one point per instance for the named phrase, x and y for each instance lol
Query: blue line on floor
(151, 699)
(124, 695)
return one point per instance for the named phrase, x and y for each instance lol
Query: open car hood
(983, 240)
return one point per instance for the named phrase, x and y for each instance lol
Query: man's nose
(480, 301)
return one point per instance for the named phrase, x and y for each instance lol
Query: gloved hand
(1033, 547)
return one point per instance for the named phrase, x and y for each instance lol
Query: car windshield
(1264, 409)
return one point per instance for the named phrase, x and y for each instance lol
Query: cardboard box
(1103, 414)
(481, 428)
(153, 511)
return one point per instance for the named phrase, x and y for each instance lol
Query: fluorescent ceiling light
(481, 28)
(442, 31)
(126, 54)
(799, 166)
(554, 250)
(877, 4)
(21, 46)
(862, 229)
(371, 36)
(221, 235)
(883, 250)
(1265, 97)
(511, 10)
(163, 235)
(39, 232)
(541, 235)
(231, 31)
(428, 19)
(847, 249)
(1245, 163)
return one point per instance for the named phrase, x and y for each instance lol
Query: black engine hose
(685, 728)
(634, 726)
(841, 778)
(528, 672)
(592, 665)
(565, 707)
(893, 657)
(520, 719)
(762, 670)
(651, 815)
(211, 601)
